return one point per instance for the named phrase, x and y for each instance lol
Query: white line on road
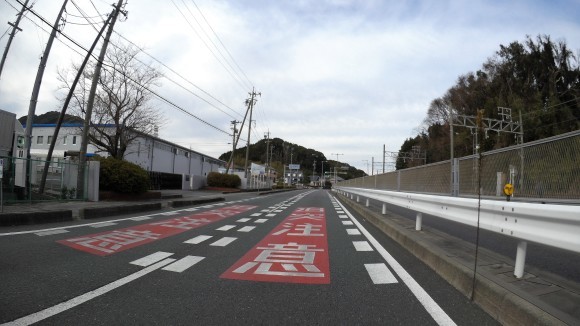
(346, 223)
(102, 225)
(362, 246)
(243, 220)
(151, 259)
(352, 231)
(256, 214)
(42, 234)
(183, 264)
(226, 228)
(261, 220)
(430, 305)
(199, 239)
(380, 274)
(271, 215)
(223, 242)
(64, 306)
(246, 229)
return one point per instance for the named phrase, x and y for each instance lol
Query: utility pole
(90, 104)
(34, 97)
(384, 151)
(250, 102)
(65, 106)
(15, 28)
(231, 161)
(267, 137)
(335, 165)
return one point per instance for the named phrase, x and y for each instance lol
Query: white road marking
(42, 234)
(256, 214)
(362, 246)
(151, 259)
(270, 215)
(223, 242)
(169, 213)
(189, 209)
(380, 274)
(342, 216)
(141, 218)
(346, 223)
(102, 225)
(226, 228)
(183, 264)
(261, 220)
(243, 220)
(246, 229)
(424, 298)
(352, 231)
(279, 210)
(199, 239)
(64, 306)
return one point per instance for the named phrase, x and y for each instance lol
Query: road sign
(508, 189)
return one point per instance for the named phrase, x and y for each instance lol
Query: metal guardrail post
(520, 258)
(367, 203)
(419, 222)
(384, 209)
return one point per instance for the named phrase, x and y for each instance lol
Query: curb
(11, 219)
(89, 213)
(501, 304)
(182, 203)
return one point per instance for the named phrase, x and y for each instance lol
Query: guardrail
(553, 225)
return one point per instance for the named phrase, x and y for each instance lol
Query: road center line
(424, 298)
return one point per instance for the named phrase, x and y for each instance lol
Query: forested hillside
(537, 78)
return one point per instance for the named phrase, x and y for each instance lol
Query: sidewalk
(45, 212)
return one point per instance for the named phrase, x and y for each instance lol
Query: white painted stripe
(362, 246)
(189, 209)
(243, 220)
(346, 223)
(199, 239)
(223, 242)
(265, 210)
(270, 215)
(256, 214)
(102, 225)
(183, 264)
(226, 228)
(261, 220)
(279, 211)
(342, 216)
(340, 212)
(424, 298)
(246, 229)
(64, 306)
(151, 259)
(380, 274)
(352, 231)
(169, 213)
(141, 218)
(42, 234)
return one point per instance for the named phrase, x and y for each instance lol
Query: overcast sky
(337, 76)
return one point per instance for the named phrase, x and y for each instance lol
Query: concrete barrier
(11, 219)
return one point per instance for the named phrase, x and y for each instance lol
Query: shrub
(122, 177)
(216, 179)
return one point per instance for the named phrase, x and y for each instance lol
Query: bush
(216, 179)
(122, 177)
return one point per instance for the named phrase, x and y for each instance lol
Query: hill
(283, 153)
(51, 117)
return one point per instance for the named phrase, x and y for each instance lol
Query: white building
(151, 153)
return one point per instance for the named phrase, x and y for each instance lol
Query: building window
(39, 140)
(64, 140)
(74, 141)
(49, 140)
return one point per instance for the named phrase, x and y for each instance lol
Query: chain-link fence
(548, 168)
(60, 184)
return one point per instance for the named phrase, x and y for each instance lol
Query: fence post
(367, 203)
(384, 209)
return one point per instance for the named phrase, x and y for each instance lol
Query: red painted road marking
(111, 242)
(296, 251)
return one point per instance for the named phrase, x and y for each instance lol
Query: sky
(337, 76)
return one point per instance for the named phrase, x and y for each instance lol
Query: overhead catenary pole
(34, 97)
(90, 103)
(65, 106)
(15, 28)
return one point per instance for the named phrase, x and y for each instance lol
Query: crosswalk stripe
(226, 228)
(243, 220)
(352, 231)
(260, 220)
(246, 229)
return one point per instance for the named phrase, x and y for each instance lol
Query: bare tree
(121, 110)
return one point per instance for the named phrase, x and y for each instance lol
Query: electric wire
(209, 48)
(129, 78)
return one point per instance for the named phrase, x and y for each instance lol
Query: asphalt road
(290, 258)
